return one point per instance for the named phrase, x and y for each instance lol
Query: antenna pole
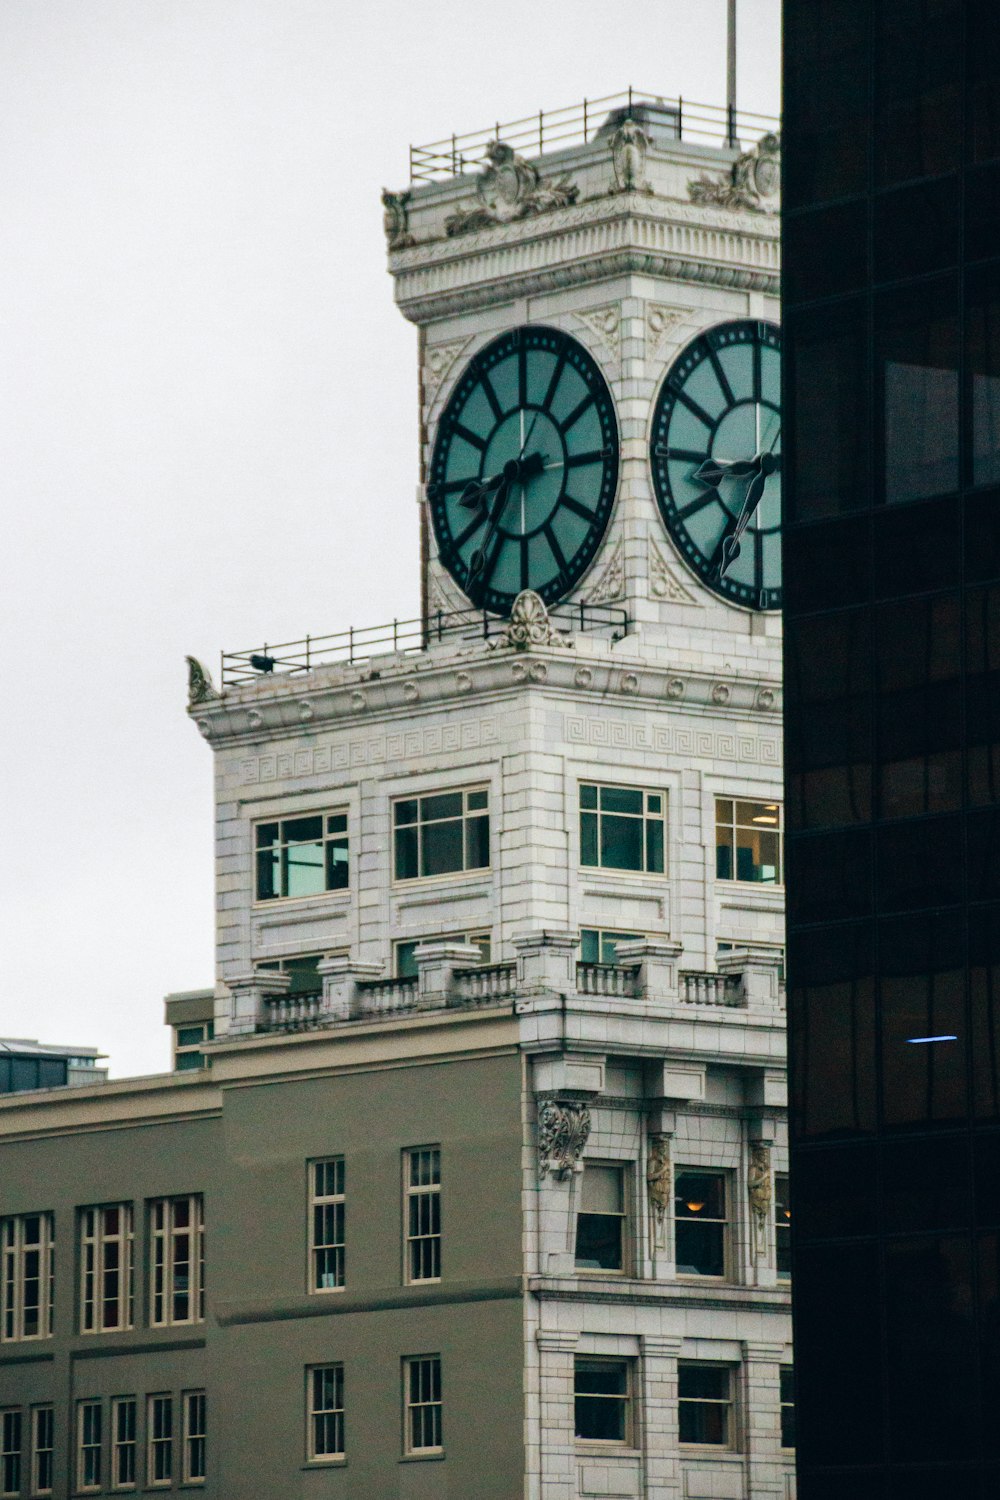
(731, 72)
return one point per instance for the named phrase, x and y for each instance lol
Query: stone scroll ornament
(530, 625)
(563, 1130)
(396, 220)
(510, 188)
(629, 145)
(753, 181)
(659, 1188)
(200, 686)
(759, 1194)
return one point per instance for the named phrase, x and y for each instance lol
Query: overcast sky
(208, 406)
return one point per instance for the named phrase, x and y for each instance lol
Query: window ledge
(433, 1455)
(284, 903)
(710, 1451)
(311, 1465)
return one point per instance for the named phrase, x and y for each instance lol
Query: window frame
(41, 1451)
(782, 1231)
(163, 1400)
(786, 1403)
(330, 839)
(192, 1435)
(314, 1413)
(121, 1445)
(646, 818)
(606, 935)
(412, 1193)
(479, 938)
(467, 871)
(92, 1405)
(192, 1049)
(11, 1450)
(726, 1177)
(433, 1361)
(94, 1245)
(608, 1445)
(14, 1251)
(164, 1271)
(316, 1201)
(734, 827)
(728, 1403)
(623, 1170)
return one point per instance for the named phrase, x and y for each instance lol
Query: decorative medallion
(510, 188)
(605, 322)
(753, 181)
(396, 220)
(200, 686)
(530, 625)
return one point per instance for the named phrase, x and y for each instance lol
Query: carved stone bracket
(659, 1189)
(759, 1194)
(200, 686)
(753, 182)
(510, 188)
(530, 625)
(563, 1131)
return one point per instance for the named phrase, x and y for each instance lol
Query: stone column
(656, 966)
(765, 1465)
(558, 1425)
(436, 964)
(546, 961)
(247, 991)
(659, 1410)
(341, 977)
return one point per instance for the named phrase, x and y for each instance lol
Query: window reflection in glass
(917, 352)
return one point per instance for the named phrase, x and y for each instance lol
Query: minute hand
(763, 465)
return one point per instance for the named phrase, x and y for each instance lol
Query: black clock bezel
(761, 334)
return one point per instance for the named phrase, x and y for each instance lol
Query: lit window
(423, 1214)
(178, 1260)
(160, 1441)
(188, 1042)
(325, 1414)
(193, 1403)
(700, 1223)
(748, 841)
(444, 834)
(405, 965)
(10, 1451)
(622, 828)
(602, 1400)
(782, 1225)
(123, 1465)
(787, 1406)
(422, 1403)
(88, 1445)
(42, 1443)
(106, 1271)
(705, 1405)
(600, 1223)
(598, 945)
(327, 1224)
(302, 856)
(26, 1279)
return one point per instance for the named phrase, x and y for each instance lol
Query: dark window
(920, 864)
(925, 1184)
(827, 566)
(826, 100)
(826, 252)
(302, 856)
(705, 1405)
(782, 1225)
(601, 1400)
(838, 1311)
(787, 1393)
(829, 876)
(922, 992)
(982, 345)
(917, 71)
(984, 984)
(899, 252)
(916, 342)
(918, 656)
(835, 1190)
(983, 78)
(826, 397)
(831, 1002)
(600, 1223)
(916, 548)
(981, 551)
(443, 834)
(700, 1223)
(622, 828)
(982, 212)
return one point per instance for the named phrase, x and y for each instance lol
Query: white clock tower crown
(628, 229)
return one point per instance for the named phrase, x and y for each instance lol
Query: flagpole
(731, 72)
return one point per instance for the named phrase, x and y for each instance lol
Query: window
(325, 1399)
(106, 1272)
(705, 1405)
(748, 841)
(188, 1042)
(194, 1437)
(123, 1443)
(622, 828)
(700, 1223)
(444, 834)
(602, 1400)
(405, 964)
(598, 945)
(160, 1440)
(787, 1406)
(42, 1442)
(178, 1255)
(26, 1279)
(10, 1452)
(326, 1224)
(422, 1403)
(782, 1225)
(302, 856)
(600, 1223)
(88, 1445)
(423, 1214)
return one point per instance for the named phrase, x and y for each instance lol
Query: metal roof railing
(552, 130)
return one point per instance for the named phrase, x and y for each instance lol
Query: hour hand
(714, 470)
(730, 548)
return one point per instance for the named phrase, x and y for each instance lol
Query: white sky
(208, 409)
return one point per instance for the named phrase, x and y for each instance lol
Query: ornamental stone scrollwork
(510, 188)
(200, 686)
(396, 220)
(530, 625)
(583, 677)
(765, 698)
(660, 324)
(611, 584)
(563, 1130)
(629, 682)
(606, 323)
(629, 145)
(662, 582)
(753, 181)
(675, 688)
(721, 694)
(759, 1195)
(659, 1189)
(440, 358)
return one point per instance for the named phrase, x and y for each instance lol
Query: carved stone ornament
(629, 145)
(563, 1130)
(440, 358)
(606, 323)
(510, 188)
(659, 1188)
(611, 584)
(200, 686)
(759, 1194)
(753, 181)
(530, 625)
(662, 582)
(396, 220)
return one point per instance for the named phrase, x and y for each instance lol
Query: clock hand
(523, 468)
(714, 470)
(765, 464)
(478, 559)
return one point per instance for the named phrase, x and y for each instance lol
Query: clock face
(524, 469)
(716, 459)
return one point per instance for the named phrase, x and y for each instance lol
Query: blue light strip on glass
(914, 1041)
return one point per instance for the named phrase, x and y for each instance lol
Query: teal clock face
(524, 469)
(716, 460)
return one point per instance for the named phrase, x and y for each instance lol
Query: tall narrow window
(42, 1443)
(443, 834)
(327, 1208)
(10, 1451)
(422, 1403)
(160, 1441)
(622, 828)
(194, 1437)
(787, 1406)
(325, 1413)
(705, 1405)
(88, 1445)
(106, 1271)
(123, 1443)
(700, 1223)
(748, 841)
(178, 1260)
(26, 1277)
(423, 1214)
(600, 1223)
(302, 856)
(782, 1225)
(602, 1400)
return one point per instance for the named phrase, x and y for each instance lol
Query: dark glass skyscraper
(892, 571)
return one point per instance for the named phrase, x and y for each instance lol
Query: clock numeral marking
(472, 527)
(722, 378)
(756, 371)
(458, 430)
(587, 458)
(525, 574)
(758, 559)
(693, 506)
(522, 375)
(695, 409)
(683, 455)
(577, 508)
(554, 547)
(449, 486)
(491, 396)
(576, 413)
(556, 377)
